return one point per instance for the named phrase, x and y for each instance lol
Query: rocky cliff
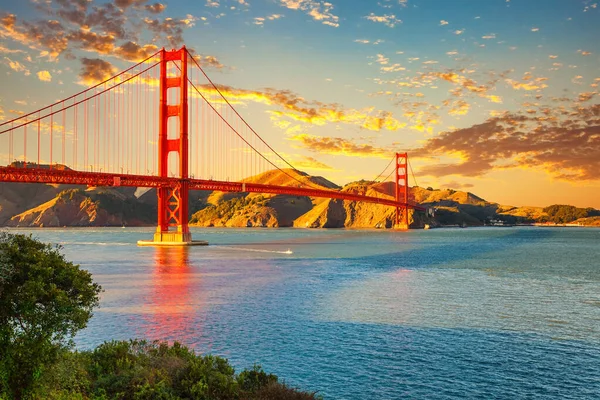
(78, 207)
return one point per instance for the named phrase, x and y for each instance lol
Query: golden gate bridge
(162, 123)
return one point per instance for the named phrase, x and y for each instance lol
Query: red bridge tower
(173, 226)
(401, 185)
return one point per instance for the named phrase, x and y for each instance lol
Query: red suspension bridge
(163, 124)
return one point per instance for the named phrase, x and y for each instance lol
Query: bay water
(363, 314)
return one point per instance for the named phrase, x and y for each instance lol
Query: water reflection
(175, 297)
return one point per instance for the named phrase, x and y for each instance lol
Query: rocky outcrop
(67, 209)
(76, 207)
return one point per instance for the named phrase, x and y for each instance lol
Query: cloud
(169, 28)
(155, 8)
(459, 107)
(208, 61)
(319, 10)
(44, 76)
(125, 3)
(443, 22)
(587, 96)
(94, 71)
(291, 107)
(132, 51)
(381, 59)
(457, 185)
(341, 146)
(312, 163)
(47, 34)
(536, 84)
(389, 20)
(564, 143)
(107, 28)
(261, 20)
(17, 66)
(93, 42)
(393, 68)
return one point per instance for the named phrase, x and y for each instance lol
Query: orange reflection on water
(173, 300)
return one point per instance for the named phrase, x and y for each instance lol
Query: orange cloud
(17, 66)
(319, 10)
(340, 146)
(44, 76)
(312, 163)
(131, 51)
(296, 108)
(565, 143)
(95, 71)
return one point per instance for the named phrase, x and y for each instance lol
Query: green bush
(143, 370)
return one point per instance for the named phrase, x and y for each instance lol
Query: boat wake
(288, 251)
(94, 243)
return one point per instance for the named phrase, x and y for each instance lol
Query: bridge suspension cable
(67, 107)
(76, 94)
(413, 174)
(384, 170)
(245, 140)
(246, 124)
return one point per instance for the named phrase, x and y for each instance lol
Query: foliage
(227, 209)
(156, 370)
(560, 213)
(44, 301)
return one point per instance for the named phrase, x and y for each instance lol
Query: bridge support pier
(401, 186)
(173, 200)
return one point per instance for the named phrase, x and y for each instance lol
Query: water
(448, 313)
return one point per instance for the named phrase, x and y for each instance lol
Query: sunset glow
(496, 97)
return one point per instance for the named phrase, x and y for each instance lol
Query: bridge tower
(401, 185)
(173, 229)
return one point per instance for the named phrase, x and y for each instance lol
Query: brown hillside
(290, 177)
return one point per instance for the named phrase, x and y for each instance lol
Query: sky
(497, 97)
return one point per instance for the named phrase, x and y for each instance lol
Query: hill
(79, 207)
(28, 205)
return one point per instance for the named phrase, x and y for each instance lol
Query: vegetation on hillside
(227, 209)
(561, 213)
(45, 300)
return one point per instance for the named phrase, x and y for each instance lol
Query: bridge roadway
(71, 177)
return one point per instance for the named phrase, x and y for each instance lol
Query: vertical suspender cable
(25, 146)
(38, 141)
(64, 133)
(51, 135)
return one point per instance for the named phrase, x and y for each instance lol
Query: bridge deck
(70, 177)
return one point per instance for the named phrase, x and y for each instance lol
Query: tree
(44, 301)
